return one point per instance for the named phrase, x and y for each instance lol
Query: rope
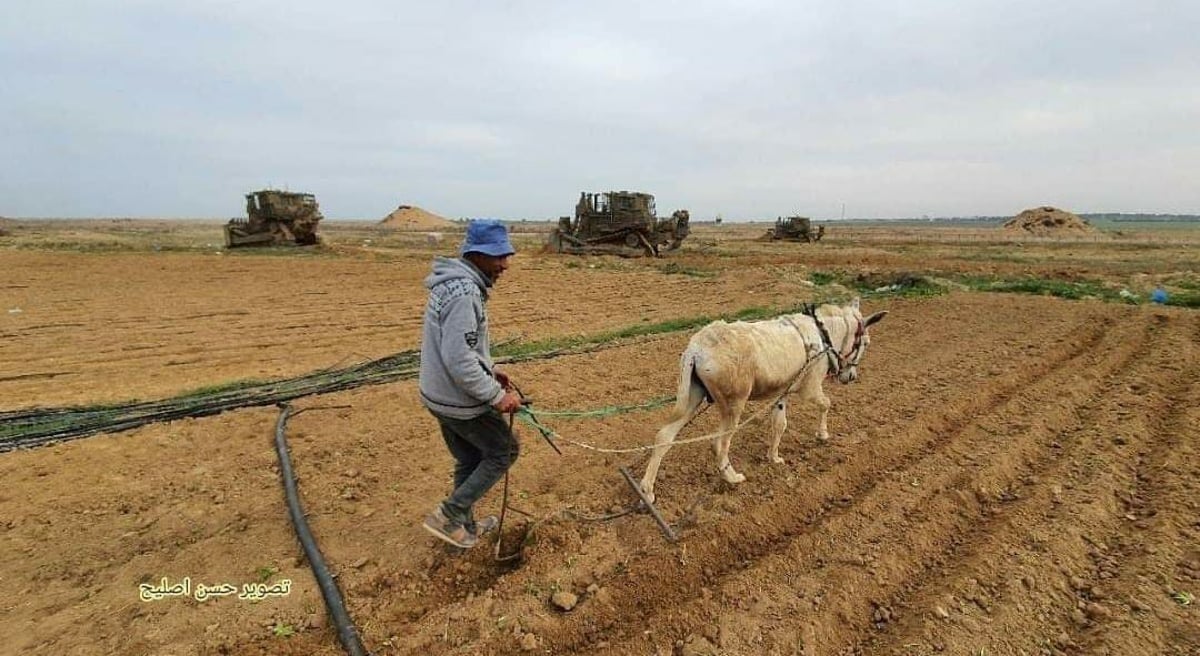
(527, 415)
(609, 410)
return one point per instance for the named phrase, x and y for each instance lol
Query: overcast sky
(509, 109)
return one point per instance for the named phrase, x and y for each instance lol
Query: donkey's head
(857, 339)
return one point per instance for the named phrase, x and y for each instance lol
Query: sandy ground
(1012, 475)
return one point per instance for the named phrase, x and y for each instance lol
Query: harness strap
(835, 358)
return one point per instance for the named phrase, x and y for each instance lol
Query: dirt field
(1013, 474)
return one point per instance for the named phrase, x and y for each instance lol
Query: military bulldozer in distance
(275, 218)
(618, 223)
(795, 228)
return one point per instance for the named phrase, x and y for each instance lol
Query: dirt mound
(1047, 220)
(410, 217)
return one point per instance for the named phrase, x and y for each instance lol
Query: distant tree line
(1091, 217)
(1133, 218)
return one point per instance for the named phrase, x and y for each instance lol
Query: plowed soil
(1011, 475)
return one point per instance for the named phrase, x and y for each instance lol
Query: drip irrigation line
(43, 426)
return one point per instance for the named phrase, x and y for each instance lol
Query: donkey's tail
(691, 389)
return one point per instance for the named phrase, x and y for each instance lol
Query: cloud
(746, 109)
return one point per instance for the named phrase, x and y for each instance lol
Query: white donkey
(732, 363)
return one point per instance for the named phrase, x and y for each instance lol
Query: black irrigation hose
(42, 426)
(347, 634)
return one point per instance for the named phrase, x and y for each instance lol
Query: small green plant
(1183, 598)
(282, 630)
(265, 573)
(822, 277)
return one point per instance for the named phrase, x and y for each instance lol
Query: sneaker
(486, 525)
(447, 531)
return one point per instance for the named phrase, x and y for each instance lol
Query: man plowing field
(459, 383)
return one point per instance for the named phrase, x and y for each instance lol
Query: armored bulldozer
(274, 218)
(619, 223)
(795, 228)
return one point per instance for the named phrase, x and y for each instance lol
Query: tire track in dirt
(655, 583)
(921, 512)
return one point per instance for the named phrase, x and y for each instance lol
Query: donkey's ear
(875, 317)
(854, 303)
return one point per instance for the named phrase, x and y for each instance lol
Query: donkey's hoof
(777, 460)
(733, 477)
(649, 494)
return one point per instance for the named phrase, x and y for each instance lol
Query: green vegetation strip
(910, 285)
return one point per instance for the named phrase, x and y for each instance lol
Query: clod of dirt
(698, 646)
(564, 600)
(1047, 220)
(529, 642)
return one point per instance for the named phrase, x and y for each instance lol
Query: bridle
(856, 349)
(837, 361)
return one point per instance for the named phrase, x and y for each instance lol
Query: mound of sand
(1048, 220)
(410, 217)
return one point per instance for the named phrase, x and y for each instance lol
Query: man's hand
(504, 381)
(510, 403)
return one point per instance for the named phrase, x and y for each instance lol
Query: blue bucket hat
(487, 236)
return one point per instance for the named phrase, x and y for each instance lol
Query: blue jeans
(483, 449)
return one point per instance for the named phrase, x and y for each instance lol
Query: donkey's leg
(730, 417)
(666, 435)
(778, 426)
(823, 403)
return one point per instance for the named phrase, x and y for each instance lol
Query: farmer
(459, 383)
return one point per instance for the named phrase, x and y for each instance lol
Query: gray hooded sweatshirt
(456, 363)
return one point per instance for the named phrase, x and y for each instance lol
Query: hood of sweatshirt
(447, 268)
